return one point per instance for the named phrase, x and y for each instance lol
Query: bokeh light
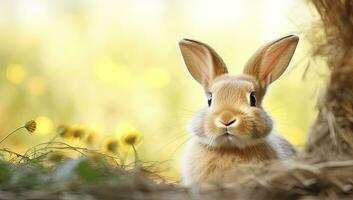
(111, 72)
(156, 77)
(16, 73)
(36, 86)
(44, 125)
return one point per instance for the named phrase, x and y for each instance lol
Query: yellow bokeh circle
(44, 125)
(16, 73)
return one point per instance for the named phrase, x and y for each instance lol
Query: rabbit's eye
(209, 99)
(252, 99)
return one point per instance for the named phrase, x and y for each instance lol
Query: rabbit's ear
(203, 63)
(271, 60)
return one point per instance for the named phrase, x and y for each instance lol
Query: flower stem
(11, 134)
(125, 157)
(52, 140)
(135, 155)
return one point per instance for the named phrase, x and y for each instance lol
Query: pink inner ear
(196, 58)
(204, 68)
(271, 58)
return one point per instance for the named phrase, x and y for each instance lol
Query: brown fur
(232, 130)
(212, 165)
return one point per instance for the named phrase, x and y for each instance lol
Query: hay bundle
(332, 134)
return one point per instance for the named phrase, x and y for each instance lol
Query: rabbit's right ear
(203, 63)
(271, 60)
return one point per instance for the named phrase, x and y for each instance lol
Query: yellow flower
(31, 126)
(91, 138)
(64, 131)
(111, 145)
(131, 138)
(78, 133)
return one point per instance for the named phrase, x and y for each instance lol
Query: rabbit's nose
(229, 123)
(226, 118)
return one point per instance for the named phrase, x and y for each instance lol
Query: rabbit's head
(234, 116)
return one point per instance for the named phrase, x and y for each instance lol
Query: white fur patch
(283, 148)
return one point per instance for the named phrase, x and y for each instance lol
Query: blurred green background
(115, 66)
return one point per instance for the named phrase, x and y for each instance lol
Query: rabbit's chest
(202, 164)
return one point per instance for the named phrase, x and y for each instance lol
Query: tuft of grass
(59, 167)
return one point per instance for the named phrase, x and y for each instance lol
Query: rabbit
(233, 128)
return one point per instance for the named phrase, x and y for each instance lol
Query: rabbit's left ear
(203, 63)
(271, 60)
